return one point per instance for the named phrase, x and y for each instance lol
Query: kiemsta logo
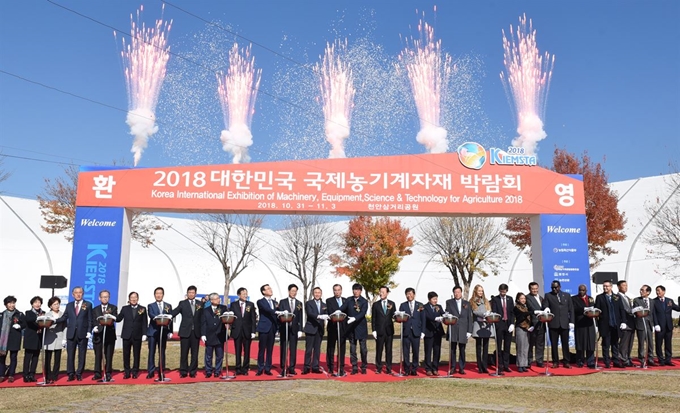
(473, 156)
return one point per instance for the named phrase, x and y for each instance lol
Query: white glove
(144, 337)
(438, 319)
(299, 334)
(446, 314)
(278, 312)
(547, 309)
(511, 328)
(63, 343)
(657, 329)
(375, 335)
(169, 336)
(322, 317)
(623, 326)
(16, 326)
(571, 325)
(337, 312)
(88, 335)
(531, 329)
(350, 320)
(95, 330)
(487, 313)
(53, 326)
(422, 336)
(252, 336)
(636, 309)
(469, 335)
(204, 339)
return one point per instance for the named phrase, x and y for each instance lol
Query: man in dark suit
(382, 313)
(266, 329)
(537, 336)
(627, 325)
(102, 347)
(433, 332)
(584, 328)
(316, 315)
(289, 344)
(609, 324)
(153, 332)
(189, 332)
(663, 314)
(243, 329)
(78, 318)
(459, 333)
(356, 308)
(134, 318)
(644, 326)
(413, 331)
(214, 335)
(334, 304)
(503, 304)
(562, 307)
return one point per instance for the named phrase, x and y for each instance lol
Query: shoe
(150, 376)
(268, 373)
(539, 365)
(96, 377)
(2, 379)
(388, 371)
(591, 366)
(630, 364)
(182, 375)
(108, 377)
(429, 373)
(306, 371)
(10, 379)
(259, 373)
(25, 379)
(363, 371)
(618, 365)
(316, 371)
(354, 371)
(436, 373)
(126, 376)
(208, 375)
(651, 363)
(135, 375)
(192, 375)
(71, 377)
(555, 365)
(378, 371)
(669, 363)
(579, 364)
(79, 377)
(507, 369)
(414, 373)
(245, 372)
(566, 365)
(292, 372)
(461, 371)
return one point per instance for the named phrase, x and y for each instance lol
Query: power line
(39, 160)
(46, 154)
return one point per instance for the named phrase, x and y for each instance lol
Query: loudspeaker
(601, 277)
(53, 281)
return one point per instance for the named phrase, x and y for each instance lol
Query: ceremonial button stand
(44, 322)
(642, 313)
(401, 317)
(449, 320)
(493, 318)
(338, 318)
(227, 319)
(286, 318)
(545, 318)
(594, 313)
(162, 321)
(104, 321)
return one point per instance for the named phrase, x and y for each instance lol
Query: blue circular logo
(472, 155)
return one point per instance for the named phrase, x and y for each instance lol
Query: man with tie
(584, 328)
(503, 304)
(663, 314)
(461, 331)
(611, 318)
(413, 331)
(626, 333)
(101, 346)
(537, 336)
(334, 304)
(562, 306)
(134, 318)
(289, 344)
(644, 326)
(356, 308)
(243, 330)
(153, 332)
(382, 313)
(433, 331)
(316, 315)
(266, 329)
(189, 332)
(78, 316)
(214, 335)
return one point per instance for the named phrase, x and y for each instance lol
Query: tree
(664, 215)
(604, 221)
(304, 247)
(232, 238)
(466, 246)
(372, 251)
(58, 208)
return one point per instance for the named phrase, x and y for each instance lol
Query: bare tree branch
(664, 236)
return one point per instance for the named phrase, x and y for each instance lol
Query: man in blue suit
(78, 318)
(663, 314)
(292, 305)
(266, 329)
(356, 308)
(153, 333)
(316, 315)
(413, 331)
(214, 335)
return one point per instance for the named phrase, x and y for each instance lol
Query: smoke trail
(145, 59)
(237, 91)
(526, 82)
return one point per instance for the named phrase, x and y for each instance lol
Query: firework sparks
(145, 59)
(237, 91)
(527, 82)
(337, 95)
(429, 70)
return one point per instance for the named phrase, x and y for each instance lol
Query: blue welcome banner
(564, 251)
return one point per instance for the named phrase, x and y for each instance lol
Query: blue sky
(615, 90)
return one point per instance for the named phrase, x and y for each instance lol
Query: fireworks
(337, 95)
(429, 70)
(527, 82)
(237, 91)
(145, 59)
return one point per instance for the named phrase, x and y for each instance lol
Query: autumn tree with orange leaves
(604, 221)
(371, 252)
(58, 208)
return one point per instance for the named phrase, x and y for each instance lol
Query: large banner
(460, 183)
